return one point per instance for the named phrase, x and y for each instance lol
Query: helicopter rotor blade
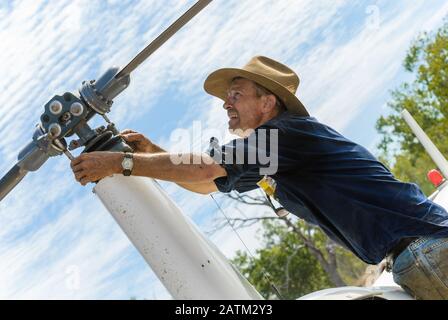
(10, 180)
(163, 37)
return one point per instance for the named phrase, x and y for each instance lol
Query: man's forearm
(202, 188)
(200, 168)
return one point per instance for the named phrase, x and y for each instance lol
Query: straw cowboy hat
(274, 76)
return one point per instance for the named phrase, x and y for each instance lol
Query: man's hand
(94, 166)
(139, 142)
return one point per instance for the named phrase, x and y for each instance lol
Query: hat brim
(219, 81)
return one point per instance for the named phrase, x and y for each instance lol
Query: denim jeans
(422, 269)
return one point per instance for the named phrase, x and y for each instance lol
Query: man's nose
(227, 104)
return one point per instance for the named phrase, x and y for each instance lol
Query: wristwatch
(127, 164)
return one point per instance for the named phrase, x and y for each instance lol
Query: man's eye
(234, 95)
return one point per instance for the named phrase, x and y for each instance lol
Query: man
(319, 176)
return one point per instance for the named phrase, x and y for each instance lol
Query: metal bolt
(54, 130)
(55, 107)
(76, 109)
(66, 116)
(73, 144)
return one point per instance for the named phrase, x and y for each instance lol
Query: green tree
(426, 98)
(287, 261)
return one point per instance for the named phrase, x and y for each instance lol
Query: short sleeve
(248, 160)
(239, 176)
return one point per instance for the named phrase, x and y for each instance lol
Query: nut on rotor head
(55, 107)
(54, 130)
(76, 109)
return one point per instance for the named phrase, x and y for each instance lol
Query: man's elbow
(213, 171)
(209, 188)
(204, 192)
(207, 185)
(201, 188)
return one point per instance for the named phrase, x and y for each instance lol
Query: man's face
(244, 108)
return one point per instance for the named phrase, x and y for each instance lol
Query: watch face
(127, 164)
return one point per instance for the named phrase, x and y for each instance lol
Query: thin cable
(265, 273)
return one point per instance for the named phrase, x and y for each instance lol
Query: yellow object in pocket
(268, 185)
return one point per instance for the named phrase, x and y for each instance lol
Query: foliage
(426, 98)
(288, 263)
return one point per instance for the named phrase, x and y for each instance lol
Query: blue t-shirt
(330, 181)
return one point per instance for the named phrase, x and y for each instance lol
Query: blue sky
(56, 239)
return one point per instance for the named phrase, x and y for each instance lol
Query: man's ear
(269, 103)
